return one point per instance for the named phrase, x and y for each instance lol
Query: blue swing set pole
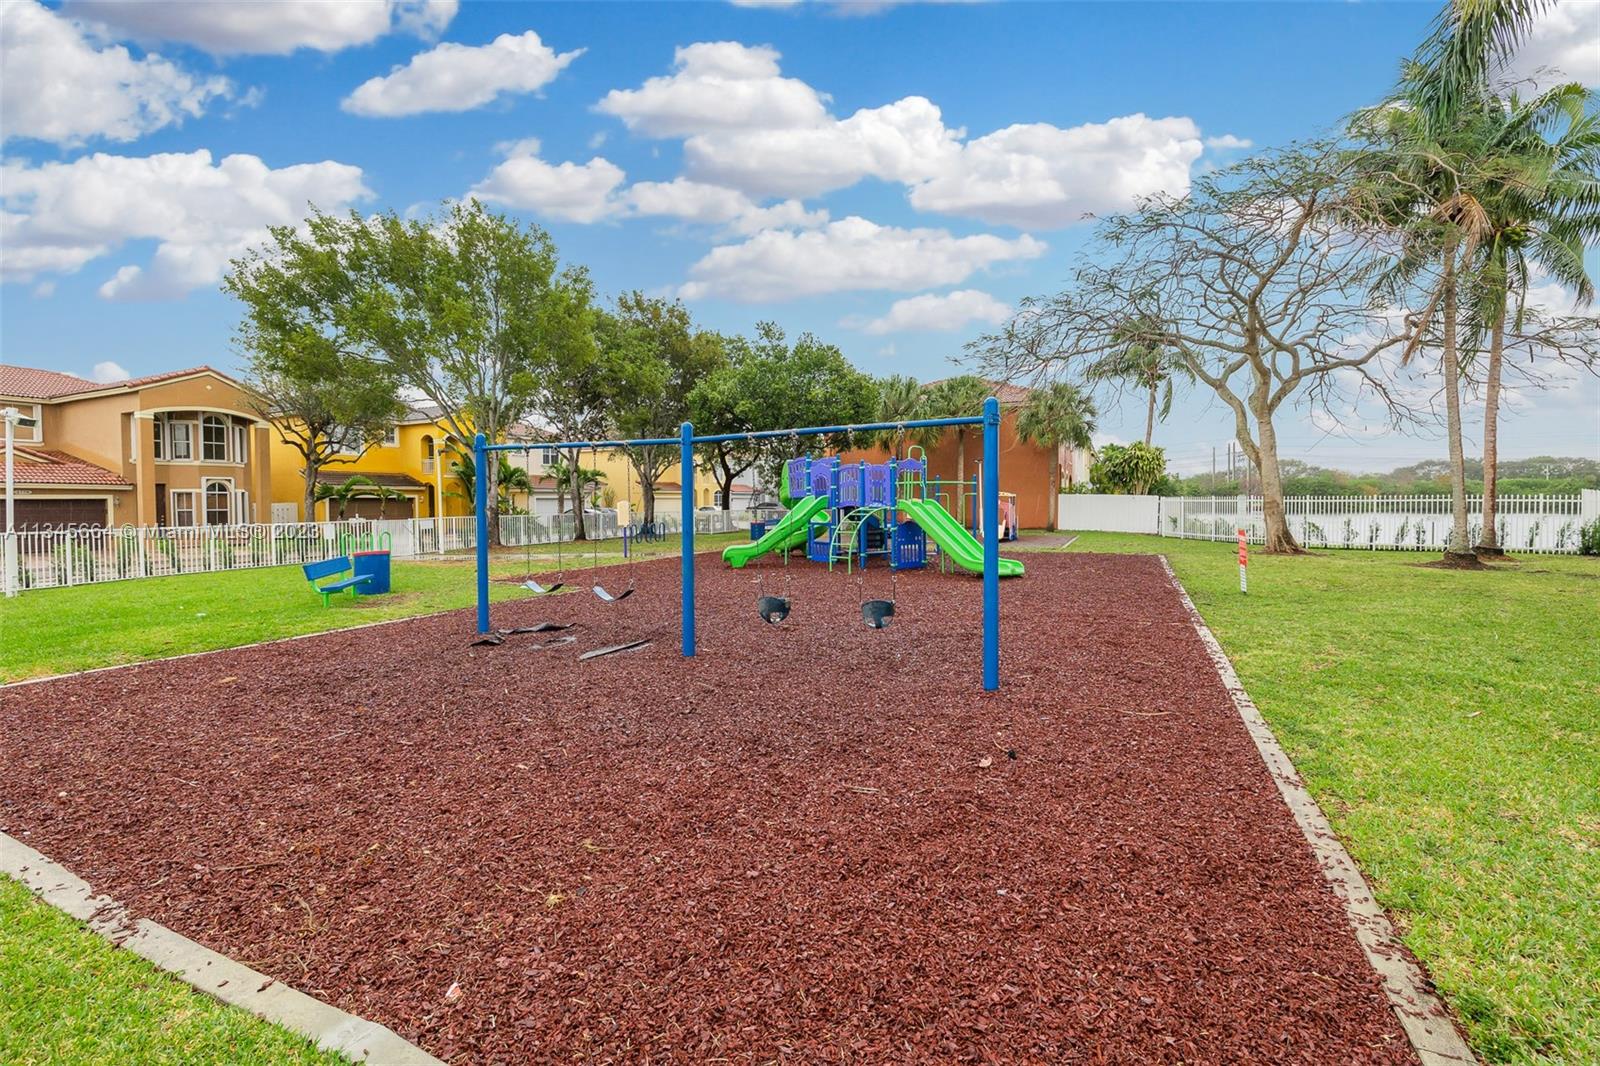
(991, 544)
(686, 541)
(480, 503)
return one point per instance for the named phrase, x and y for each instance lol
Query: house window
(180, 447)
(183, 507)
(391, 437)
(161, 437)
(549, 457)
(23, 432)
(241, 442)
(213, 439)
(219, 503)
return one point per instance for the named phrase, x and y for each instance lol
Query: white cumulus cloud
(268, 27)
(850, 253)
(107, 372)
(458, 77)
(716, 205)
(59, 85)
(747, 127)
(1041, 175)
(570, 192)
(1564, 45)
(936, 312)
(56, 217)
(717, 85)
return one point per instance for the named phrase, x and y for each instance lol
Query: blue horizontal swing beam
(686, 440)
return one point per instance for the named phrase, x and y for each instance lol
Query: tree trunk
(1265, 458)
(726, 482)
(1150, 418)
(961, 474)
(1458, 548)
(579, 532)
(311, 469)
(1489, 539)
(1055, 489)
(647, 500)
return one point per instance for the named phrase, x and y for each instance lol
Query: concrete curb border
(216, 975)
(1423, 1016)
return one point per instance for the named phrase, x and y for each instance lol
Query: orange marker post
(1244, 562)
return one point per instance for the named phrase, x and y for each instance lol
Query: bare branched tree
(1260, 279)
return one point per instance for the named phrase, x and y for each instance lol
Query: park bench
(333, 568)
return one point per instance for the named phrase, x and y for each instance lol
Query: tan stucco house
(177, 449)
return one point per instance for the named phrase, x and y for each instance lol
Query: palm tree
(1055, 415)
(1149, 366)
(900, 399)
(953, 398)
(341, 494)
(1540, 216)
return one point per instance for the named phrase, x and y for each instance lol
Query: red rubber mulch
(809, 844)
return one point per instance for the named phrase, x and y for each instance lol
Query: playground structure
(925, 513)
(851, 513)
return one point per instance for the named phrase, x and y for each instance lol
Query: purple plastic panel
(797, 477)
(850, 485)
(820, 477)
(877, 485)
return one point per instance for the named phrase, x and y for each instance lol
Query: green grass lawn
(67, 996)
(1449, 724)
(50, 631)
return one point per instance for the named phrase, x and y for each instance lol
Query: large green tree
(900, 399)
(1058, 414)
(769, 383)
(306, 367)
(663, 358)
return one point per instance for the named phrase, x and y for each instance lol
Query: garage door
(53, 514)
(367, 507)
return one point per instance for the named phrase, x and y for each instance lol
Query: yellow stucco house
(620, 480)
(413, 460)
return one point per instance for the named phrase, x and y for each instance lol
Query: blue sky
(891, 177)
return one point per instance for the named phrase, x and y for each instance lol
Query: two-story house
(411, 461)
(182, 448)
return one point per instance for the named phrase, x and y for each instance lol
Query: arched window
(219, 501)
(213, 439)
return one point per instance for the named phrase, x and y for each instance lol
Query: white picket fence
(1529, 524)
(57, 558)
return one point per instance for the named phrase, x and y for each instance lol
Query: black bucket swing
(599, 590)
(774, 609)
(877, 613)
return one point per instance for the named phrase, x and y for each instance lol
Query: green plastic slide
(788, 533)
(953, 538)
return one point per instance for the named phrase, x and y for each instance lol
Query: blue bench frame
(333, 568)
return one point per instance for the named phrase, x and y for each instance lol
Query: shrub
(1589, 538)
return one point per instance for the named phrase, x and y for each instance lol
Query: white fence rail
(1531, 524)
(57, 558)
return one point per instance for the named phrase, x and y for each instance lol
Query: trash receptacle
(373, 564)
(758, 530)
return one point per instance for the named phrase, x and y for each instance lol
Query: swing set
(773, 609)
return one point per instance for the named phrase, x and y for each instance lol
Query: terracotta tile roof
(40, 384)
(43, 466)
(36, 384)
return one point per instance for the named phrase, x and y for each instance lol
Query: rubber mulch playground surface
(815, 843)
